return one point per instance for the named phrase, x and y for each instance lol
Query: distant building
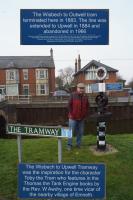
(27, 75)
(87, 74)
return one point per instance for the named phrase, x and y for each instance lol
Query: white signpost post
(39, 131)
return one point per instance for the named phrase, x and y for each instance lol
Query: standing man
(78, 110)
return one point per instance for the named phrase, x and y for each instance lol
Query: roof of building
(97, 64)
(7, 62)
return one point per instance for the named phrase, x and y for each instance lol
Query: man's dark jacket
(78, 106)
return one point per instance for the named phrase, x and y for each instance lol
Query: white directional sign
(55, 131)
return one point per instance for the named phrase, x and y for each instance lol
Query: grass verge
(119, 166)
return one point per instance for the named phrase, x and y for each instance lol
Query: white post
(19, 148)
(59, 150)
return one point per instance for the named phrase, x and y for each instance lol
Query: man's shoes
(78, 146)
(69, 147)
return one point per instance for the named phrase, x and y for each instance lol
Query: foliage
(59, 82)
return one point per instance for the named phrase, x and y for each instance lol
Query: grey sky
(118, 54)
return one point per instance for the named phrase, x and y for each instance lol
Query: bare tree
(120, 79)
(130, 84)
(66, 75)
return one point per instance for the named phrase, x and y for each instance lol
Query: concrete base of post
(109, 150)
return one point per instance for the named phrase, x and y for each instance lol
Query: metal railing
(115, 99)
(27, 99)
(21, 99)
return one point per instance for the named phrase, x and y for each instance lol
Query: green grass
(119, 166)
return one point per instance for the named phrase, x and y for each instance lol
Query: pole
(19, 148)
(59, 150)
(101, 135)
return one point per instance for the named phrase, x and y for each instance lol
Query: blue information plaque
(114, 86)
(64, 26)
(51, 181)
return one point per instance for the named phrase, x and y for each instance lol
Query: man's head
(81, 88)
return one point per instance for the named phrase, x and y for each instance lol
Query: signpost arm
(59, 150)
(19, 141)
